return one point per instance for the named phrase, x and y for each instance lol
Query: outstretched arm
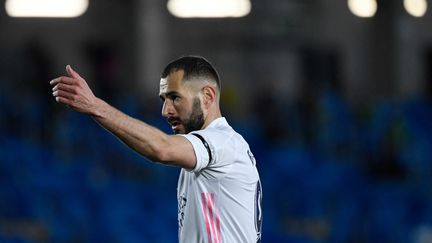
(73, 91)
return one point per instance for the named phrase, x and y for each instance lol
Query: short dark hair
(193, 67)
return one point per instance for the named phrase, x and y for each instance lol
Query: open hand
(73, 91)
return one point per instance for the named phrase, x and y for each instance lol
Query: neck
(211, 116)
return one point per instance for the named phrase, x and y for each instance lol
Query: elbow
(160, 155)
(157, 151)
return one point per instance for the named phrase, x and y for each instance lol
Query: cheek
(181, 108)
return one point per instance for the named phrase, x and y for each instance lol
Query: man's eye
(176, 98)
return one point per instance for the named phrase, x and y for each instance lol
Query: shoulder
(219, 132)
(215, 144)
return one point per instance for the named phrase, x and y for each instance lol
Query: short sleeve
(202, 149)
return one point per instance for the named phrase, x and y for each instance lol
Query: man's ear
(209, 95)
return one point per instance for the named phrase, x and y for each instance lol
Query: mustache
(170, 120)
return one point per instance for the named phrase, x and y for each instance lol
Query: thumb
(72, 73)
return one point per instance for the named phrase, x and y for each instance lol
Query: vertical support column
(383, 50)
(151, 47)
(409, 63)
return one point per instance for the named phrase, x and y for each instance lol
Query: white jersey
(220, 199)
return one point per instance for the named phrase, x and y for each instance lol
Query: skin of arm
(73, 91)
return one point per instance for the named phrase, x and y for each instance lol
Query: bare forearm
(73, 91)
(138, 135)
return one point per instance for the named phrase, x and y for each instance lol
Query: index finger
(63, 79)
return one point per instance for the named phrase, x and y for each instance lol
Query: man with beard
(219, 191)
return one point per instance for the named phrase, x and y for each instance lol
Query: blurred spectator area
(337, 111)
(336, 172)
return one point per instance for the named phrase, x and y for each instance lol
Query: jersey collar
(221, 121)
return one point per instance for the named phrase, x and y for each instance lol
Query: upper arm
(177, 151)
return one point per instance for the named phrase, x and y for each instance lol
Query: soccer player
(219, 191)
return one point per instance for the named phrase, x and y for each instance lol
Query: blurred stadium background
(336, 107)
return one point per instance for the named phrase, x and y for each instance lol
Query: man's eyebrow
(169, 94)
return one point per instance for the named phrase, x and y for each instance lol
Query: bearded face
(181, 103)
(192, 121)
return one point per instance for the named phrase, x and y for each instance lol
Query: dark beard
(196, 118)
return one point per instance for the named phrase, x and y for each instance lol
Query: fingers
(72, 90)
(63, 94)
(65, 87)
(65, 80)
(62, 100)
(72, 73)
(73, 78)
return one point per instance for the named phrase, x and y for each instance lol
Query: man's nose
(168, 108)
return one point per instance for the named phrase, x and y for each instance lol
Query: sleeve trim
(206, 145)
